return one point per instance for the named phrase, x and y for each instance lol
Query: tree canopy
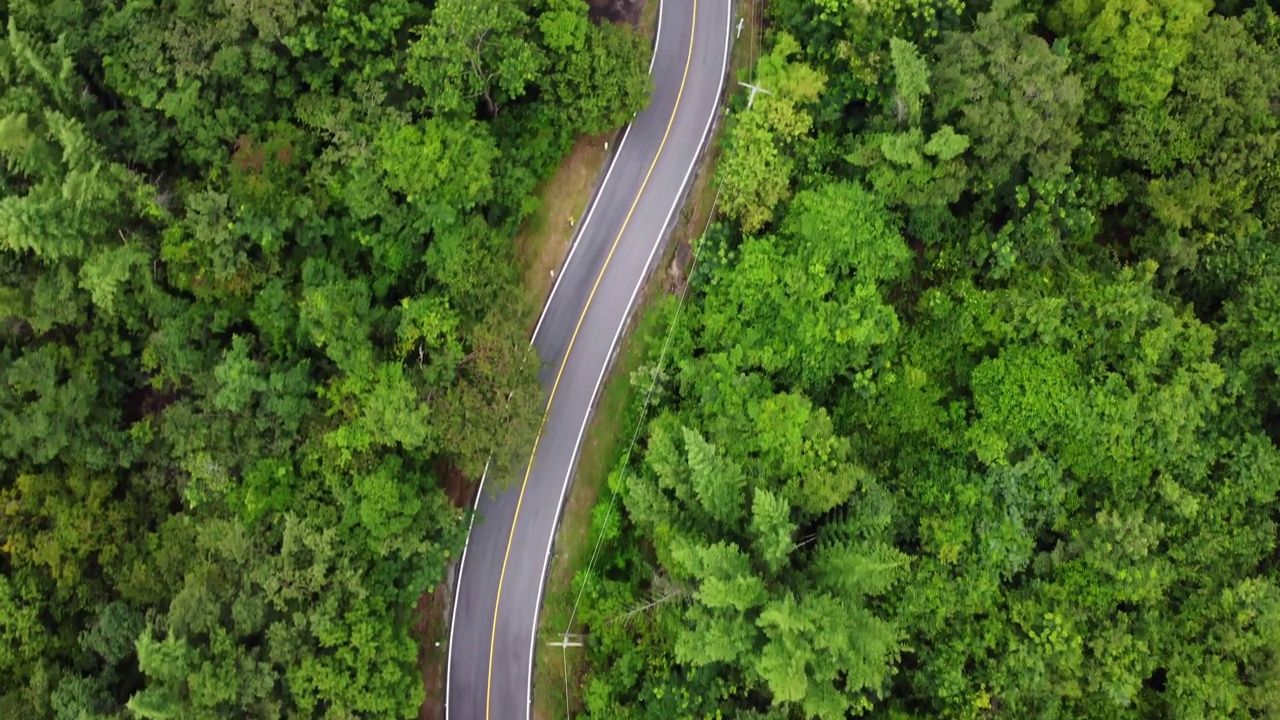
(972, 409)
(258, 303)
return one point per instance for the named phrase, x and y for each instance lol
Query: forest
(972, 408)
(260, 330)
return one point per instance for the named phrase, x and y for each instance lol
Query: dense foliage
(973, 409)
(257, 301)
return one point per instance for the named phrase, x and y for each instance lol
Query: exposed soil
(460, 490)
(681, 265)
(431, 622)
(430, 628)
(616, 11)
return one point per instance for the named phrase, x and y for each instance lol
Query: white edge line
(475, 507)
(657, 37)
(577, 448)
(573, 246)
(462, 563)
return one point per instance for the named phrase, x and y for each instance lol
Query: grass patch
(748, 45)
(544, 239)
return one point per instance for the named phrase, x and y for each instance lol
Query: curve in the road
(482, 632)
(555, 385)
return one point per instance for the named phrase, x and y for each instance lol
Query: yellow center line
(572, 338)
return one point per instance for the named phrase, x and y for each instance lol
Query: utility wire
(644, 411)
(753, 53)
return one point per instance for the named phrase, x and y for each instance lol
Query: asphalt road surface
(500, 582)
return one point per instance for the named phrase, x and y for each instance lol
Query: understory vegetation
(258, 305)
(973, 407)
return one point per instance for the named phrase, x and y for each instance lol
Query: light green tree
(1139, 44)
(755, 173)
(474, 50)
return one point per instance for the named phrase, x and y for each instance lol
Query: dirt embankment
(616, 11)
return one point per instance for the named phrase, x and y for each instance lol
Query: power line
(644, 411)
(757, 21)
(753, 53)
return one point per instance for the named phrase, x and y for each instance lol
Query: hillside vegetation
(973, 408)
(258, 302)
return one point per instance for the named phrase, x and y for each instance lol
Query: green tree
(1011, 95)
(438, 163)
(984, 424)
(756, 171)
(257, 298)
(473, 50)
(902, 165)
(1207, 153)
(1139, 45)
(601, 81)
(821, 278)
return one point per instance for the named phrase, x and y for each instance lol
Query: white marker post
(754, 90)
(568, 641)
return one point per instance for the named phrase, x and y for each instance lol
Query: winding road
(500, 579)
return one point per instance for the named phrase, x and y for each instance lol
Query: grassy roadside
(544, 240)
(558, 672)
(648, 26)
(603, 444)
